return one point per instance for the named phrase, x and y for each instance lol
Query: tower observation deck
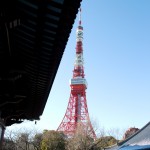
(77, 110)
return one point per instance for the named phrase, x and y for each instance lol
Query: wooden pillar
(2, 130)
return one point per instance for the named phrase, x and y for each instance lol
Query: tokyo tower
(77, 110)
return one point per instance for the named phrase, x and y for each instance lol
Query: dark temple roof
(138, 141)
(33, 36)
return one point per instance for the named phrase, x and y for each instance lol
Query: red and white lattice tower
(77, 110)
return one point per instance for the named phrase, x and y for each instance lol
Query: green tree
(37, 140)
(53, 140)
(104, 142)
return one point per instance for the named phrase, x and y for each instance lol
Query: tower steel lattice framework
(77, 110)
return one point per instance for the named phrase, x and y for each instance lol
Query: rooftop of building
(33, 37)
(139, 140)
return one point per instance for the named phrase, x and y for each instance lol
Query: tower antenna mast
(80, 16)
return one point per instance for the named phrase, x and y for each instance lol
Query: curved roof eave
(33, 37)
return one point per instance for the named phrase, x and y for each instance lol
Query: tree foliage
(53, 140)
(22, 139)
(106, 141)
(37, 141)
(81, 140)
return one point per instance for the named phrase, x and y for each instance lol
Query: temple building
(140, 140)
